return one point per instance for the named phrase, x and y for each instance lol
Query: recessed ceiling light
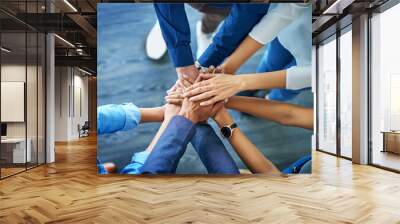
(65, 41)
(70, 5)
(84, 71)
(5, 50)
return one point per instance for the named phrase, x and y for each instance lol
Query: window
(327, 96)
(346, 94)
(385, 89)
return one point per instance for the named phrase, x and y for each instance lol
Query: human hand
(222, 117)
(196, 113)
(175, 96)
(211, 69)
(171, 110)
(190, 73)
(213, 88)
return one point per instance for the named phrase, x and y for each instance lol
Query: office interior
(48, 80)
(357, 84)
(48, 128)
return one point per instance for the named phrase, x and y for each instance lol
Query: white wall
(70, 83)
(33, 126)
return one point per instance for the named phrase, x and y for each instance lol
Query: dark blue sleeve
(212, 151)
(170, 147)
(237, 25)
(176, 32)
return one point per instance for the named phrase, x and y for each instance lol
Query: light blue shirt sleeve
(117, 117)
(291, 23)
(278, 18)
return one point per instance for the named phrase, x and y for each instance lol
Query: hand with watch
(225, 122)
(252, 157)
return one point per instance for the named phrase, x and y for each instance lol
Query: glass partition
(22, 77)
(346, 93)
(385, 89)
(327, 96)
(13, 105)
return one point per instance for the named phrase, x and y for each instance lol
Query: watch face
(226, 132)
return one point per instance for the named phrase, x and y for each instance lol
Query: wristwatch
(199, 67)
(227, 131)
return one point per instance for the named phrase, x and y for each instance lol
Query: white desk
(19, 153)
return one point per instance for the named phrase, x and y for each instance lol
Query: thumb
(206, 76)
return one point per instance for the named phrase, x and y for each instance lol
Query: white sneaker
(155, 44)
(203, 40)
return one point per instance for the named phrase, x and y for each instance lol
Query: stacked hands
(204, 97)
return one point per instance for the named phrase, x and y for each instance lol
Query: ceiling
(75, 23)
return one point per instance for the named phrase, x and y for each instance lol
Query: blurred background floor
(125, 74)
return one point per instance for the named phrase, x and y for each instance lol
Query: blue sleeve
(212, 151)
(176, 32)
(167, 152)
(117, 117)
(237, 25)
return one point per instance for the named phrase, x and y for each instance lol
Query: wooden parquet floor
(70, 191)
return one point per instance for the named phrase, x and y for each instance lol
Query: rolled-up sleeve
(117, 117)
(298, 77)
(176, 32)
(277, 18)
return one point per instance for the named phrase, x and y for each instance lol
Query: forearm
(155, 114)
(245, 50)
(246, 150)
(283, 113)
(155, 139)
(250, 154)
(267, 80)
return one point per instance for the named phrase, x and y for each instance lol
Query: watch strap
(233, 126)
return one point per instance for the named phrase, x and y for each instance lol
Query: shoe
(203, 40)
(136, 164)
(105, 168)
(155, 44)
(112, 118)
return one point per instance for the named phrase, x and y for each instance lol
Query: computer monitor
(3, 129)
